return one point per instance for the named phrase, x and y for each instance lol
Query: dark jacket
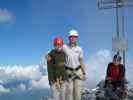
(56, 66)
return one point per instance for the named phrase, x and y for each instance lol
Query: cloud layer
(34, 77)
(22, 78)
(4, 90)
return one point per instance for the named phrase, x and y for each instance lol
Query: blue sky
(32, 25)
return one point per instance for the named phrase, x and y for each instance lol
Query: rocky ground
(92, 94)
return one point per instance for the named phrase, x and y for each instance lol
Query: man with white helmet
(74, 66)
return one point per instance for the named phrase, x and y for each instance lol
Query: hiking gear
(73, 33)
(58, 41)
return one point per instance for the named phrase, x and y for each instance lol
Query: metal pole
(117, 23)
(123, 31)
(117, 19)
(124, 60)
(120, 23)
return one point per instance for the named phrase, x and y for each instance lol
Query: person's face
(72, 39)
(119, 61)
(116, 63)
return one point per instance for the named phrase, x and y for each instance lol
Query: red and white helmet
(58, 41)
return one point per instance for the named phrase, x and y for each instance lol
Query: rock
(99, 93)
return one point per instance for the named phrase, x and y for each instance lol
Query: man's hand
(48, 58)
(58, 84)
(82, 66)
(84, 77)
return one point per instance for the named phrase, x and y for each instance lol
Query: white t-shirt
(73, 54)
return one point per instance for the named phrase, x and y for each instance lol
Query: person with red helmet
(57, 75)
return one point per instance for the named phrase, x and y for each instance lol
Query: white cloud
(4, 90)
(1, 82)
(129, 71)
(6, 16)
(42, 83)
(96, 66)
(12, 73)
(21, 87)
(18, 73)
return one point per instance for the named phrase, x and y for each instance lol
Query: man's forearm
(82, 66)
(83, 69)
